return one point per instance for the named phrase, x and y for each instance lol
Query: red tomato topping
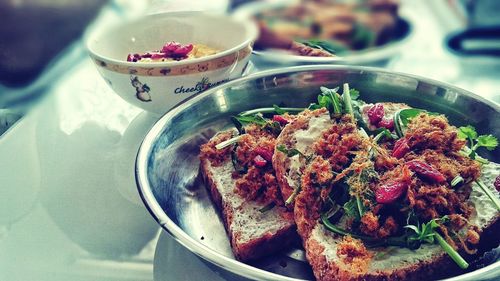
(390, 192)
(400, 148)
(376, 113)
(259, 161)
(280, 119)
(264, 153)
(426, 171)
(387, 123)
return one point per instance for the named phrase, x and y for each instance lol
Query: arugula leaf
(240, 121)
(331, 100)
(289, 152)
(351, 209)
(338, 104)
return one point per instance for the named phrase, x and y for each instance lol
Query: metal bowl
(167, 166)
(374, 56)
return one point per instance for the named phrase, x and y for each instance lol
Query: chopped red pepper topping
(390, 192)
(170, 50)
(376, 113)
(182, 51)
(401, 147)
(170, 47)
(280, 119)
(264, 153)
(259, 161)
(426, 171)
(387, 123)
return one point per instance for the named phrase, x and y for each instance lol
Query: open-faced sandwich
(377, 191)
(236, 165)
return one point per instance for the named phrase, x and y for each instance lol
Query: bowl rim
(249, 26)
(210, 255)
(358, 57)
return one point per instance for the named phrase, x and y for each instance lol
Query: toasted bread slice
(253, 233)
(299, 134)
(394, 263)
(322, 246)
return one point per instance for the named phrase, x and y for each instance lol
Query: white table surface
(69, 209)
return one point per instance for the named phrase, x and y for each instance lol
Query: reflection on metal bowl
(167, 163)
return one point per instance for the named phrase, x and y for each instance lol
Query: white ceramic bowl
(158, 86)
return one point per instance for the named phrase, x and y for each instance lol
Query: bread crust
(438, 267)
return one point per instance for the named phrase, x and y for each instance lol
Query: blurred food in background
(328, 27)
(33, 32)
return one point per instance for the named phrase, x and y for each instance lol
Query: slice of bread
(252, 232)
(299, 134)
(322, 246)
(394, 263)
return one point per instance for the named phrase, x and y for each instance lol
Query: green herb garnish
(422, 233)
(326, 45)
(354, 208)
(427, 233)
(383, 133)
(456, 181)
(469, 133)
(289, 152)
(228, 142)
(337, 104)
(290, 199)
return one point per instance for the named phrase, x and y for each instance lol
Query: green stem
(346, 95)
(360, 206)
(270, 110)
(397, 124)
(455, 256)
(458, 179)
(228, 142)
(490, 194)
(392, 241)
(292, 197)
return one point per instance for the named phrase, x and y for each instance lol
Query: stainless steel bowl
(167, 162)
(375, 56)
